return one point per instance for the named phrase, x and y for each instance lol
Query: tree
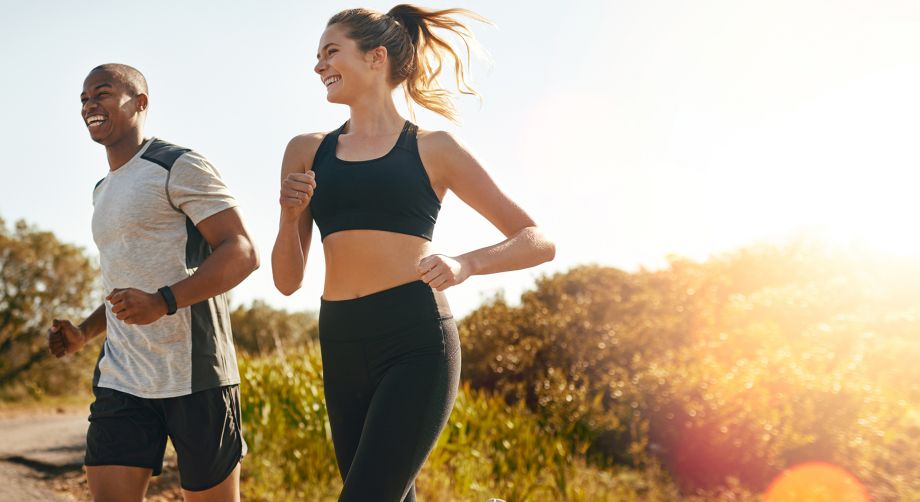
(261, 329)
(41, 279)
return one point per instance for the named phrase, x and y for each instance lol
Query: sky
(629, 130)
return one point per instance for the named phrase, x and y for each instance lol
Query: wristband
(170, 299)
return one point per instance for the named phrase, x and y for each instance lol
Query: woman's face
(345, 70)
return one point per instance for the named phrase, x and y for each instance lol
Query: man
(171, 244)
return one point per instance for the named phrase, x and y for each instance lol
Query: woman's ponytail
(416, 53)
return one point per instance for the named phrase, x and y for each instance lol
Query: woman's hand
(296, 192)
(441, 272)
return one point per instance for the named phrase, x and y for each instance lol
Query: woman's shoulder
(436, 142)
(306, 140)
(436, 136)
(300, 151)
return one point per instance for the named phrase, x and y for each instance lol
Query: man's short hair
(132, 78)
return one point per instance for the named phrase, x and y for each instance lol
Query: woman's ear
(377, 57)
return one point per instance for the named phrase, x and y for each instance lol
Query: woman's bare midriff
(361, 262)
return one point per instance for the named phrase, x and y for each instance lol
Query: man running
(171, 244)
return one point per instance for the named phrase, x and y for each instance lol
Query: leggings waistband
(382, 312)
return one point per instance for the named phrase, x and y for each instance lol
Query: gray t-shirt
(144, 223)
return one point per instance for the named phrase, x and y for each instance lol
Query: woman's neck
(375, 117)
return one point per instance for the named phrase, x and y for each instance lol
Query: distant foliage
(734, 368)
(262, 329)
(40, 279)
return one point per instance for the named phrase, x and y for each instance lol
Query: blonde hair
(415, 52)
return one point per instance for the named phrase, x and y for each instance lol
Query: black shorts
(204, 428)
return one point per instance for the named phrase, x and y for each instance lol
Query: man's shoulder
(163, 153)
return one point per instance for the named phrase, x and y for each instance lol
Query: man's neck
(121, 152)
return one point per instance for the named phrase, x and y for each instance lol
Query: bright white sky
(629, 130)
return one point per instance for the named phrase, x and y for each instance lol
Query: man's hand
(65, 338)
(133, 306)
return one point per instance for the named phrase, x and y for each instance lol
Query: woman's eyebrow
(324, 48)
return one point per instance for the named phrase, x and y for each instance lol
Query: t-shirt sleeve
(196, 188)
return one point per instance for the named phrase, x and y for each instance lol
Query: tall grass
(488, 449)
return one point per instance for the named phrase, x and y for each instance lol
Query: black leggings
(391, 367)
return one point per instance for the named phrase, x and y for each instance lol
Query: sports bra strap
(328, 142)
(407, 139)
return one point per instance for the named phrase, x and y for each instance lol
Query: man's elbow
(253, 258)
(248, 254)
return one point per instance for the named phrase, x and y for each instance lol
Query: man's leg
(205, 430)
(124, 445)
(117, 483)
(227, 491)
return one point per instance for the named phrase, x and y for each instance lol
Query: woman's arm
(453, 167)
(295, 229)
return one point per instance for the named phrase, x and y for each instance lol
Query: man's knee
(117, 483)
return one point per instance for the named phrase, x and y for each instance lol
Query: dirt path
(37, 450)
(41, 459)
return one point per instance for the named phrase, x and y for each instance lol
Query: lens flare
(816, 482)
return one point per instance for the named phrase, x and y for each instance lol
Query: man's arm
(233, 258)
(65, 338)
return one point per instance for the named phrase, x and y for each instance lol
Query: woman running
(390, 348)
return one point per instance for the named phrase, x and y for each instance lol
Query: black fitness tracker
(170, 299)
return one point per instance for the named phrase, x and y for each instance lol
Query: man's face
(110, 108)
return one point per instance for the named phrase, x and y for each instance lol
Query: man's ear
(377, 57)
(141, 100)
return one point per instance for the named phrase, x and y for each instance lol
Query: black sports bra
(390, 193)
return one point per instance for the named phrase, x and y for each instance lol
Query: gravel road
(35, 449)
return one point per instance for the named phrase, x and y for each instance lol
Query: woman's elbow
(549, 252)
(286, 289)
(289, 291)
(546, 248)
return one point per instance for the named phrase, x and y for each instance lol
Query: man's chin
(104, 139)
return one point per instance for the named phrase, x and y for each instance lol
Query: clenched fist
(441, 272)
(65, 338)
(296, 192)
(134, 306)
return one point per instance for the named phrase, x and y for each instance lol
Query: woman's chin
(335, 97)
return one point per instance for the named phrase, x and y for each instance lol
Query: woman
(391, 354)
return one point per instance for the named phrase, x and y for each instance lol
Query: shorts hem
(156, 471)
(211, 485)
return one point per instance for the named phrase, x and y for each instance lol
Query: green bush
(735, 368)
(285, 426)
